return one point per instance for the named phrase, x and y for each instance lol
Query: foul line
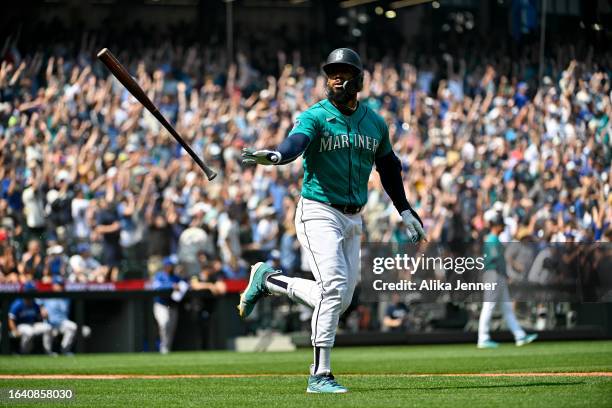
(217, 376)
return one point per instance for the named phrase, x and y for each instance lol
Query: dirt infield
(204, 376)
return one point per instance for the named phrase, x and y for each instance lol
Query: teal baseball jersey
(494, 254)
(342, 149)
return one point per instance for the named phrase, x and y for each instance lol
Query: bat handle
(211, 174)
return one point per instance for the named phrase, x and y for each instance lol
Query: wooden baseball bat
(132, 86)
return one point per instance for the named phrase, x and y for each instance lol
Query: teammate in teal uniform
(495, 272)
(340, 140)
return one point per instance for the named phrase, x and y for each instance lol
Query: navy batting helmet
(346, 56)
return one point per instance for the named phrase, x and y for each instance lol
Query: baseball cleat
(324, 384)
(256, 289)
(488, 344)
(526, 339)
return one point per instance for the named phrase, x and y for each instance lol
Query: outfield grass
(379, 377)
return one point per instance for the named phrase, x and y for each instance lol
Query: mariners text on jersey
(333, 142)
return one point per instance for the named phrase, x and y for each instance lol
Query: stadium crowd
(93, 189)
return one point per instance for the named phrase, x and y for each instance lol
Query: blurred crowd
(93, 189)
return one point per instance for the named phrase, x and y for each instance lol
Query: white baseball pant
(27, 332)
(68, 330)
(166, 317)
(500, 295)
(331, 241)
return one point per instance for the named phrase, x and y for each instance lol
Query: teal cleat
(526, 339)
(488, 344)
(324, 384)
(256, 289)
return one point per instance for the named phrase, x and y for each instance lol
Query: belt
(346, 209)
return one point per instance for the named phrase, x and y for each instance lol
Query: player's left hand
(413, 225)
(265, 157)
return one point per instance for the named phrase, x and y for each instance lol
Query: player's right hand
(413, 226)
(265, 157)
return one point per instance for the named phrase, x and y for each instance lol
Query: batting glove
(265, 157)
(413, 225)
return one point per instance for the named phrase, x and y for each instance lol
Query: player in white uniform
(340, 140)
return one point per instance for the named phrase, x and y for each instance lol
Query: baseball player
(340, 140)
(165, 309)
(495, 271)
(27, 320)
(58, 312)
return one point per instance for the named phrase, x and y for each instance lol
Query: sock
(304, 291)
(322, 365)
(278, 284)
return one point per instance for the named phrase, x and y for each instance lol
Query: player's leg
(520, 337)
(321, 230)
(26, 333)
(162, 315)
(46, 331)
(486, 313)
(508, 311)
(350, 249)
(68, 329)
(264, 280)
(484, 325)
(304, 291)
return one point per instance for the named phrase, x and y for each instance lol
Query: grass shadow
(538, 384)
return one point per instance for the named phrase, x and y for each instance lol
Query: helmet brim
(356, 70)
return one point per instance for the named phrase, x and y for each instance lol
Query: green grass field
(376, 376)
